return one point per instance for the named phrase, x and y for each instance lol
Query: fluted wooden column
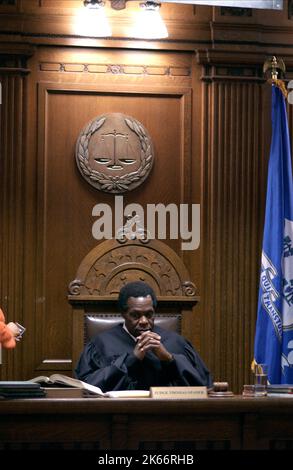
(236, 130)
(12, 157)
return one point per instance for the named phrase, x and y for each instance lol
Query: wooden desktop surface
(100, 423)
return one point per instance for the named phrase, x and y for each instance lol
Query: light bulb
(92, 20)
(149, 23)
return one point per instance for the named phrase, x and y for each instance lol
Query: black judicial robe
(108, 362)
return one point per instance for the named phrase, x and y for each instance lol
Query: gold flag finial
(275, 67)
(274, 70)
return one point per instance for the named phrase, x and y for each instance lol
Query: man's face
(139, 315)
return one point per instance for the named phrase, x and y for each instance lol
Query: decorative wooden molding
(230, 66)
(235, 65)
(14, 58)
(110, 265)
(230, 58)
(236, 11)
(243, 74)
(115, 69)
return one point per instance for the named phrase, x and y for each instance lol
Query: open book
(89, 390)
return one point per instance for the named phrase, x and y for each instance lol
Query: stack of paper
(280, 390)
(21, 389)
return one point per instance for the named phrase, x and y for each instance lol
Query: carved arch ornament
(110, 265)
(114, 153)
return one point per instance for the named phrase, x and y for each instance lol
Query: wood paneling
(146, 424)
(235, 152)
(67, 98)
(12, 204)
(202, 97)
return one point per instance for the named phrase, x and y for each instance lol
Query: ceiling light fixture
(94, 4)
(149, 23)
(92, 20)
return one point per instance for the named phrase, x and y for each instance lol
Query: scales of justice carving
(114, 153)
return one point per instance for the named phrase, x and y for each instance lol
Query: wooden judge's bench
(145, 424)
(148, 424)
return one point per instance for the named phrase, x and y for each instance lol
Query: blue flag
(274, 327)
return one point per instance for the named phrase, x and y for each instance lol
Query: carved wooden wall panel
(236, 146)
(94, 291)
(11, 207)
(113, 263)
(66, 102)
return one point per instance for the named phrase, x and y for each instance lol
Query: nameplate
(178, 393)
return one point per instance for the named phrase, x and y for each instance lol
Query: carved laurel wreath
(114, 184)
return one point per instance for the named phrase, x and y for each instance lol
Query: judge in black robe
(108, 361)
(137, 355)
